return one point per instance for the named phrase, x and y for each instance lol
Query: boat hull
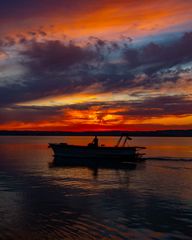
(99, 155)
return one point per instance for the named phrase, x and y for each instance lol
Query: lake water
(41, 202)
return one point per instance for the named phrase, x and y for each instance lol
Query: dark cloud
(155, 57)
(56, 56)
(52, 68)
(58, 68)
(29, 114)
(40, 87)
(55, 67)
(160, 106)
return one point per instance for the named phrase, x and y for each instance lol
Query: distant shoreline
(159, 133)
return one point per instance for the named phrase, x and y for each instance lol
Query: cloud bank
(143, 82)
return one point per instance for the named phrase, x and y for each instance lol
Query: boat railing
(123, 140)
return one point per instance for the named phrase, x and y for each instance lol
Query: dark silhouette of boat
(94, 155)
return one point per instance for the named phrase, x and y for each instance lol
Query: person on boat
(95, 142)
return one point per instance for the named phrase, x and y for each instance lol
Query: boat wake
(169, 159)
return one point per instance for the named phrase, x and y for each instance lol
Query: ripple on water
(39, 203)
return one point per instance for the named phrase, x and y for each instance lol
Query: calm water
(40, 202)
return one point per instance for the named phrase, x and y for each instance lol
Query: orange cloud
(95, 118)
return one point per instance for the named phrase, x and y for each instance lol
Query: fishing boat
(95, 155)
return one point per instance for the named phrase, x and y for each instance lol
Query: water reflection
(66, 205)
(41, 202)
(92, 165)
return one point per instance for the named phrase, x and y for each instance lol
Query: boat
(94, 155)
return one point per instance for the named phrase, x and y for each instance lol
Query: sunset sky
(95, 65)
